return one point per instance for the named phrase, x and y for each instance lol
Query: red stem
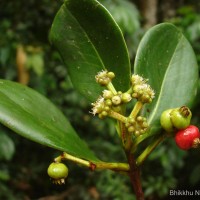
(135, 177)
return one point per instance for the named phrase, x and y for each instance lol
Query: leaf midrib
(51, 128)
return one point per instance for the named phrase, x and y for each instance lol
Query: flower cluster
(104, 77)
(110, 102)
(118, 98)
(136, 126)
(141, 90)
(101, 107)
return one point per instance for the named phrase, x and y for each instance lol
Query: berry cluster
(178, 121)
(177, 118)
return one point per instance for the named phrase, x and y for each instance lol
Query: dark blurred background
(26, 56)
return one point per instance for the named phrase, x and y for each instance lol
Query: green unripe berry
(58, 172)
(177, 118)
(165, 121)
(181, 117)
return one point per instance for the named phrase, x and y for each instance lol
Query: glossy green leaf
(33, 116)
(89, 41)
(166, 58)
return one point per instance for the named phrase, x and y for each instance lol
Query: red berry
(185, 138)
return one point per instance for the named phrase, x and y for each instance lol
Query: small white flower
(149, 91)
(104, 77)
(98, 106)
(101, 74)
(137, 80)
(107, 94)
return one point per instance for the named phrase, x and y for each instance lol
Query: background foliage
(24, 31)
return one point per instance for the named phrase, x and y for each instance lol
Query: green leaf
(166, 58)
(7, 147)
(89, 41)
(33, 116)
(125, 14)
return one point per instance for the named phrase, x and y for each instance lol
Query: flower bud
(107, 94)
(131, 129)
(111, 75)
(116, 100)
(126, 97)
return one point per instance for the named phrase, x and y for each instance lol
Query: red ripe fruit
(185, 138)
